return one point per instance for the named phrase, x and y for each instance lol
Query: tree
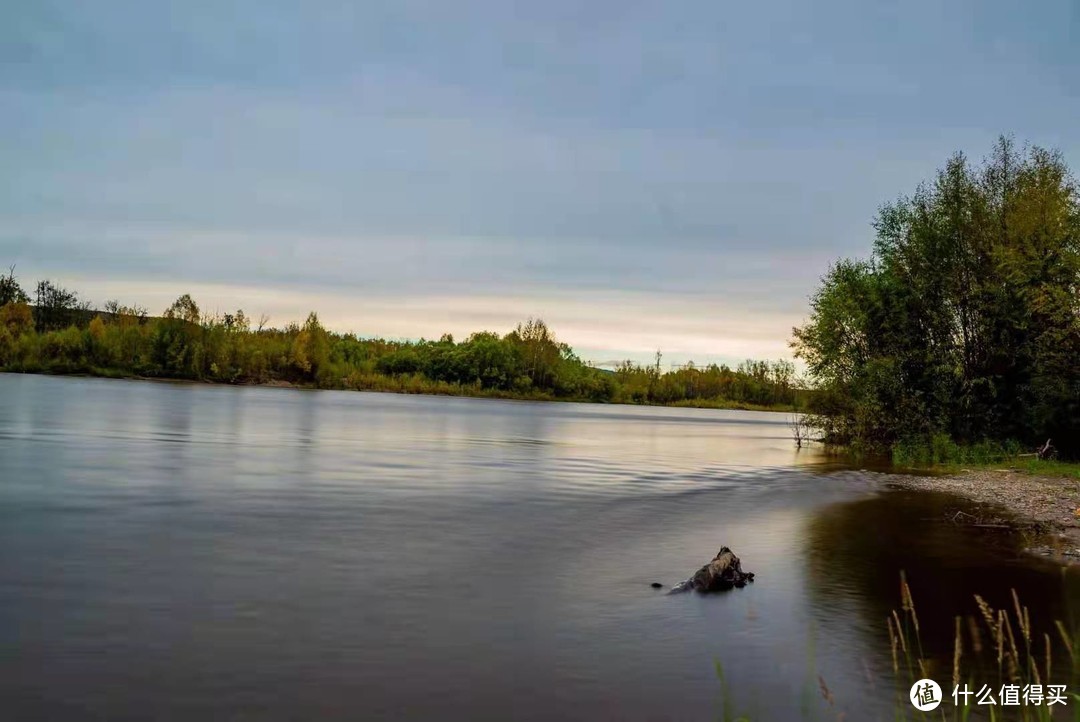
(56, 307)
(490, 360)
(10, 290)
(540, 351)
(177, 340)
(311, 348)
(966, 319)
(237, 322)
(17, 318)
(125, 314)
(184, 309)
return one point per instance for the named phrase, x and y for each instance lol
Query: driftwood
(1046, 451)
(723, 572)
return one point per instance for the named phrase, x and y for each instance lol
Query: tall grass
(941, 449)
(944, 453)
(998, 647)
(1067, 469)
(1006, 635)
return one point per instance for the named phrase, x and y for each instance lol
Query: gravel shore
(1047, 506)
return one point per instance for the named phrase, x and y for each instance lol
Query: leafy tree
(184, 309)
(10, 290)
(186, 343)
(966, 319)
(237, 322)
(17, 318)
(177, 340)
(56, 307)
(311, 349)
(121, 313)
(540, 352)
(491, 361)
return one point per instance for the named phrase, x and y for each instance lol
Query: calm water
(186, 552)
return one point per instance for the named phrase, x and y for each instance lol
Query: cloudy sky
(641, 175)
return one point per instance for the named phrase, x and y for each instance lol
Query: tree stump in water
(723, 572)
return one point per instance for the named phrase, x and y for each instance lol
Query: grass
(1068, 469)
(1035, 467)
(1000, 642)
(1006, 636)
(944, 454)
(942, 450)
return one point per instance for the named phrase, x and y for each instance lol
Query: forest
(963, 325)
(56, 332)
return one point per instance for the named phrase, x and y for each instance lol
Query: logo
(925, 695)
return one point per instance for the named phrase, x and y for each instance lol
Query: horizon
(640, 178)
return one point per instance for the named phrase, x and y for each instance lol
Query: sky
(643, 176)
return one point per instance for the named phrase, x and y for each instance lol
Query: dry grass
(1001, 638)
(1015, 649)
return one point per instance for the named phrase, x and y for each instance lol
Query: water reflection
(183, 551)
(856, 551)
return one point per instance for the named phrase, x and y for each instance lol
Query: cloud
(643, 176)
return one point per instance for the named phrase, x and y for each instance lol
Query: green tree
(56, 307)
(184, 309)
(10, 290)
(177, 340)
(311, 349)
(492, 361)
(540, 352)
(966, 319)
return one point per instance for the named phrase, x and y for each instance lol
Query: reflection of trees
(859, 549)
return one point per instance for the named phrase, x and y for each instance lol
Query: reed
(1001, 638)
(1015, 652)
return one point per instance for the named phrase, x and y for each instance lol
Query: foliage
(529, 362)
(752, 383)
(55, 307)
(17, 318)
(10, 290)
(945, 454)
(1040, 467)
(965, 321)
(941, 449)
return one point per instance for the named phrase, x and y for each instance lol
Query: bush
(7, 346)
(65, 349)
(17, 318)
(941, 449)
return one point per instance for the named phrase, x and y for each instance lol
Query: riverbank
(528, 363)
(409, 385)
(1044, 507)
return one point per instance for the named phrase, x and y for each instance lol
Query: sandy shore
(1048, 507)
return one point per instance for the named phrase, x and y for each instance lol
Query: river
(183, 551)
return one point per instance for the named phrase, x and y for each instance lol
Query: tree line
(57, 332)
(963, 325)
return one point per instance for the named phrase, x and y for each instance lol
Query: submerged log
(723, 572)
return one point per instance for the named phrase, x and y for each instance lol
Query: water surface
(177, 551)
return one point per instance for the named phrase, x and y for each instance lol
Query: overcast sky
(641, 175)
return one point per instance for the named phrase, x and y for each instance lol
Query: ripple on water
(214, 552)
